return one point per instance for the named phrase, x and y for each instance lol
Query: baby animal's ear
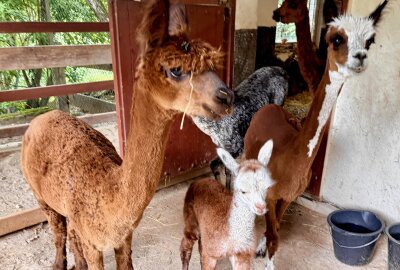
(265, 153)
(228, 160)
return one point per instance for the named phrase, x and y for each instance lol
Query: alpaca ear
(177, 20)
(228, 160)
(153, 30)
(265, 152)
(376, 14)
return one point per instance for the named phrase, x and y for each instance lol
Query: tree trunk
(99, 9)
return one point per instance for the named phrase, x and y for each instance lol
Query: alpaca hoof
(261, 251)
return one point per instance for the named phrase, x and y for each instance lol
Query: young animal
(266, 85)
(74, 171)
(224, 222)
(349, 39)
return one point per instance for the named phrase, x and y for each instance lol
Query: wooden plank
(21, 220)
(15, 58)
(92, 119)
(51, 27)
(27, 218)
(54, 90)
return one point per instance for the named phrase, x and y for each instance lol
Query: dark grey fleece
(266, 85)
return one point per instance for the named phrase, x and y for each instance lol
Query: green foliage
(59, 11)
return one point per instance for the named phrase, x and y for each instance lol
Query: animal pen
(305, 238)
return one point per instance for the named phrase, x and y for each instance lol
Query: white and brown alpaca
(349, 39)
(224, 222)
(75, 173)
(311, 67)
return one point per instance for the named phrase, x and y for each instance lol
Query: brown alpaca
(224, 222)
(74, 171)
(311, 67)
(349, 39)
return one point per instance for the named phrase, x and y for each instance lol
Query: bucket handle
(365, 245)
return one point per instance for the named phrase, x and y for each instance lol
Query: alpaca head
(175, 69)
(349, 39)
(251, 178)
(291, 11)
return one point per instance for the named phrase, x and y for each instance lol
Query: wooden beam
(15, 58)
(91, 119)
(54, 90)
(51, 27)
(27, 218)
(21, 220)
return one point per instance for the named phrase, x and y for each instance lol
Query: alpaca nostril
(360, 56)
(276, 15)
(225, 96)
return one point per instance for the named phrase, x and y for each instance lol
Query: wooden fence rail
(52, 27)
(15, 58)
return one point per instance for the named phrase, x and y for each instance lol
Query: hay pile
(298, 105)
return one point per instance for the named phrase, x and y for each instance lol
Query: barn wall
(249, 15)
(362, 167)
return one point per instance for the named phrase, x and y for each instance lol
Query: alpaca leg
(271, 234)
(123, 254)
(280, 210)
(76, 248)
(262, 247)
(208, 263)
(228, 177)
(93, 256)
(186, 248)
(242, 262)
(215, 167)
(58, 224)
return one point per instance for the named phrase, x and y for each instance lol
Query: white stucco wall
(253, 13)
(362, 167)
(246, 14)
(265, 9)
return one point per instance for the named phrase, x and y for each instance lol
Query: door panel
(209, 20)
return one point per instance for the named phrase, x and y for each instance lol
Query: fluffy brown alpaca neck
(146, 142)
(308, 61)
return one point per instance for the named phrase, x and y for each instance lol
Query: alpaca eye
(244, 192)
(336, 41)
(292, 5)
(369, 42)
(176, 72)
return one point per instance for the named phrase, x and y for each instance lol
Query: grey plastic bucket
(393, 234)
(354, 235)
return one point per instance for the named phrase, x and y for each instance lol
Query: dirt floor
(305, 239)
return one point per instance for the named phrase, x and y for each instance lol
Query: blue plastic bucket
(393, 234)
(354, 235)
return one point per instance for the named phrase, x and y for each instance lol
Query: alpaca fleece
(266, 85)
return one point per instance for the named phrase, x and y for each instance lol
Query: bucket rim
(333, 226)
(389, 235)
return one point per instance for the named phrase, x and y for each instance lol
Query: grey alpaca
(266, 85)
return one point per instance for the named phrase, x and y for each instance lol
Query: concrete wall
(362, 168)
(249, 15)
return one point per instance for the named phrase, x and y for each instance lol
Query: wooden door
(210, 20)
